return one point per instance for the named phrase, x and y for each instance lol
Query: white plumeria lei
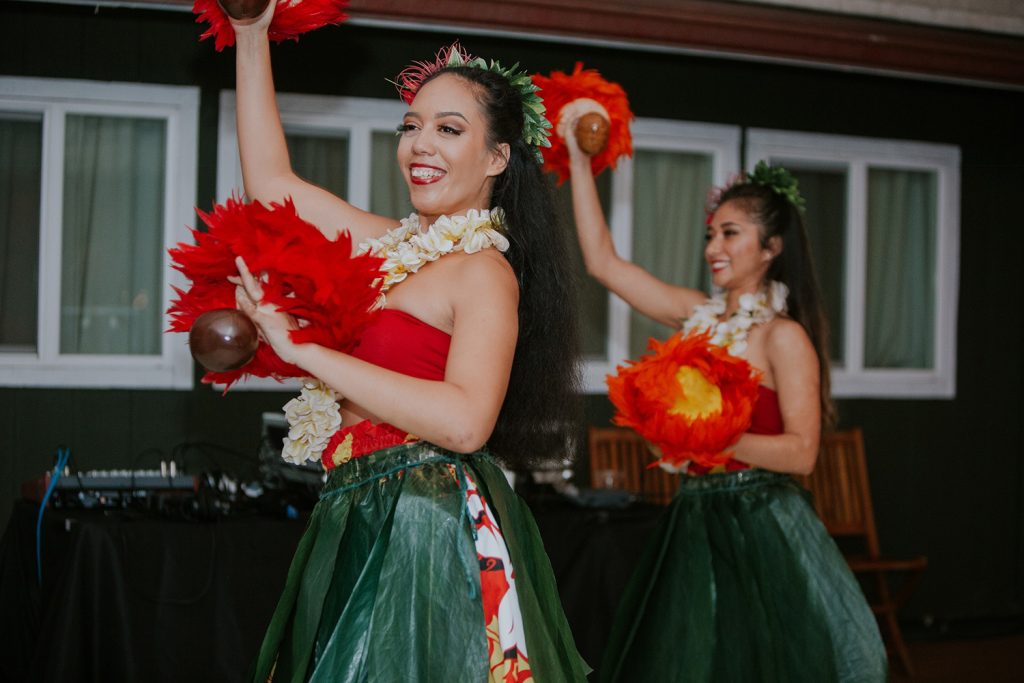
(406, 249)
(753, 309)
(314, 417)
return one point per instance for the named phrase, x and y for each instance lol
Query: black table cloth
(130, 597)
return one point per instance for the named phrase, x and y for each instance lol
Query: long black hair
(542, 405)
(794, 267)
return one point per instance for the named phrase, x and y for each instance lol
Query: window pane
(825, 193)
(900, 311)
(593, 319)
(20, 173)
(669, 190)
(320, 159)
(112, 238)
(389, 195)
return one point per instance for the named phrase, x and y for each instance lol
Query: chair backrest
(842, 493)
(621, 459)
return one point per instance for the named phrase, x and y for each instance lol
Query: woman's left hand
(275, 327)
(570, 115)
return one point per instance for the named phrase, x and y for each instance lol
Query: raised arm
(266, 167)
(794, 367)
(655, 298)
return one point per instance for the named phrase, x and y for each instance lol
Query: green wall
(947, 475)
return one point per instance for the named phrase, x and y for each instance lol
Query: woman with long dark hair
(419, 562)
(741, 582)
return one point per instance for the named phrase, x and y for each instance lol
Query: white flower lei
(753, 309)
(405, 249)
(313, 415)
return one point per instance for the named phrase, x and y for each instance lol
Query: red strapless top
(402, 342)
(766, 419)
(398, 341)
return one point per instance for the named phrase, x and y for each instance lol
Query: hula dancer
(420, 563)
(741, 582)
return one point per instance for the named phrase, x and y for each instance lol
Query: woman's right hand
(255, 24)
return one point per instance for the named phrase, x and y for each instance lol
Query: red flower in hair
(315, 279)
(688, 397)
(409, 80)
(558, 89)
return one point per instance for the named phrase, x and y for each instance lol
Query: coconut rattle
(604, 140)
(223, 339)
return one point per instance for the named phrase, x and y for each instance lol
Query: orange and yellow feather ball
(687, 397)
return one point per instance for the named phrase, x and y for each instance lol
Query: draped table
(140, 597)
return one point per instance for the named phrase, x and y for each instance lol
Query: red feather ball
(559, 89)
(673, 413)
(316, 280)
(291, 19)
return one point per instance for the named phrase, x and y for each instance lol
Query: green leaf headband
(776, 178)
(535, 125)
(779, 180)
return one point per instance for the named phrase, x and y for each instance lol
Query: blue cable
(62, 460)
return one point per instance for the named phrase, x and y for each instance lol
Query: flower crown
(535, 125)
(776, 178)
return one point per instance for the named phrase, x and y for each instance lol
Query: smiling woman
(415, 509)
(741, 580)
(444, 150)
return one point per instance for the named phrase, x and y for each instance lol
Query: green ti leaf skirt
(741, 583)
(385, 583)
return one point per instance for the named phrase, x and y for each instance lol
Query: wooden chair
(620, 458)
(842, 498)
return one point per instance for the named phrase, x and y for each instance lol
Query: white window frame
(856, 155)
(178, 106)
(722, 142)
(357, 117)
